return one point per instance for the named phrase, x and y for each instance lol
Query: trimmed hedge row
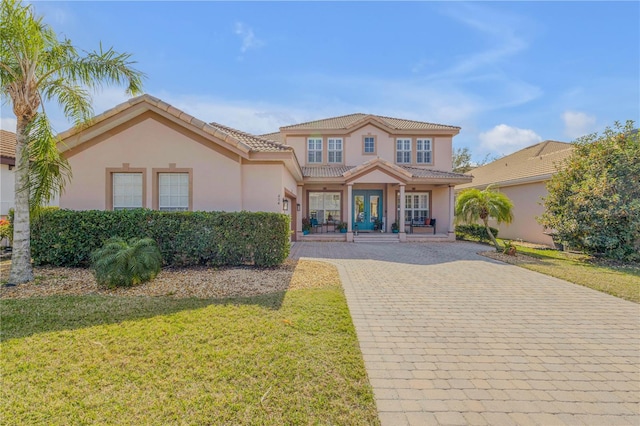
(67, 237)
(474, 232)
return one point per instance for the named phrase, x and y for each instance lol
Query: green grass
(289, 358)
(620, 280)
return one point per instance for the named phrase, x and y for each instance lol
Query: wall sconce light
(298, 207)
(285, 205)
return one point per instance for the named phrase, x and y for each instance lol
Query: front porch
(376, 237)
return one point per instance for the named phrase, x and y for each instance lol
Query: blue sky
(509, 73)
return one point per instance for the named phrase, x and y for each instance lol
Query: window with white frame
(127, 190)
(403, 151)
(173, 191)
(314, 150)
(416, 206)
(324, 206)
(369, 145)
(423, 151)
(334, 150)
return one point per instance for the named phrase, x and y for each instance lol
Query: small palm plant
(123, 264)
(473, 205)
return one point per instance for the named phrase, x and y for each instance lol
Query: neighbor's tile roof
(7, 144)
(257, 143)
(539, 160)
(346, 121)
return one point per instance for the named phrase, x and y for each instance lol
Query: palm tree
(35, 66)
(473, 205)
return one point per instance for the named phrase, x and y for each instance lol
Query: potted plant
(342, 227)
(377, 225)
(395, 228)
(306, 225)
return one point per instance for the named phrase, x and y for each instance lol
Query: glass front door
(367, 210)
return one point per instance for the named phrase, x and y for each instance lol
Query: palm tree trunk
(495, 242)
(21, 270)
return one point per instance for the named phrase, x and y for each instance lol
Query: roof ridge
(414, 121)
(226, 129)
(322, 119)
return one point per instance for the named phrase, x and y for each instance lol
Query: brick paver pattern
(453, 338)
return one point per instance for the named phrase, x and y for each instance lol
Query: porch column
(451, 211)
(299, 214)
(349, 207)
(402, 207)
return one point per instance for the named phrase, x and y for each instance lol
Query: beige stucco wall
(262, 187)
(385, 147)
(527, 205)
(153, 144)
(7, 189)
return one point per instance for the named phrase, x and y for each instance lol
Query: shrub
(474, 232)
(5, 229)
(67, 237)
(122, 264)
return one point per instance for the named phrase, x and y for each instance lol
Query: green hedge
(474, 232)
(67, 237)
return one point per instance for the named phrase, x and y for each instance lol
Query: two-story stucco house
(366, 170)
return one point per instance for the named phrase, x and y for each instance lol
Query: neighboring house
(522, 176)
(363, 169)
(7, 166)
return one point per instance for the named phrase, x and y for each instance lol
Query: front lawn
(282, 358)
(620, 280)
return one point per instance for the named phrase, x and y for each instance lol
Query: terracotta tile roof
(7, 144)
(242, 140)
(535, 162)
(276, 137)
(257, 143)
(346, 121)
(418, 172)
(325, 171)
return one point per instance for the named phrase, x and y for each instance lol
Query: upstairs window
(127, 190)
(314, 150)
(334, 150)
(369, 145)
(423, 151)
(403, 151)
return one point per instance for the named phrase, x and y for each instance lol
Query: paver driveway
(453, 338)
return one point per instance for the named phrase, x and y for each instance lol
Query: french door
(367, 209)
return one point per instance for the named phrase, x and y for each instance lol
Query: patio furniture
(421, 222)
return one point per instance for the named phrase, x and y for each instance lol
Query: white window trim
(404, 150)
(364, 145)
(424, 152)
(114, 187)
(409, 205)
(335, 151)
(315, 150)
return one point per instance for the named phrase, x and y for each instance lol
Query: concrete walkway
(453, 338)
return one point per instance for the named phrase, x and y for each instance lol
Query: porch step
(376, 237)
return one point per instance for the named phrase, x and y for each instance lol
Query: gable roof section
(532, 164)
(7, 146)
(236, 139)
(351, 121)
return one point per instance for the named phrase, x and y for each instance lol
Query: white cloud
(249, 40)
(578, 124)
(507, 139)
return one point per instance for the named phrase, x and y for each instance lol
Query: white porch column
(451, 212)
(402, 208)
(299, 214)
(349, 212)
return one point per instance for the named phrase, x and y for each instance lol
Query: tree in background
(473, 205)
(462, 162)
(35, 66)
(594, 200)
